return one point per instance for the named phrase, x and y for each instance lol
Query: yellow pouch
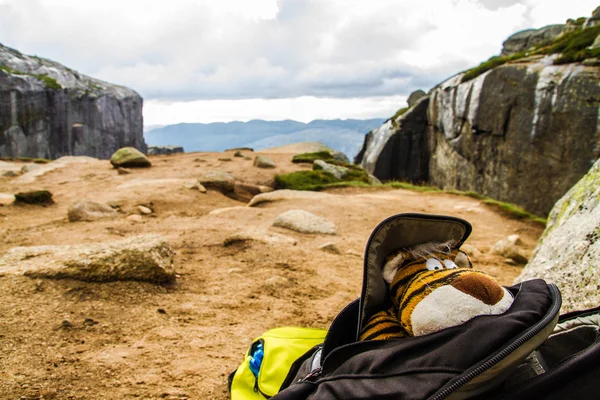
(282, 346)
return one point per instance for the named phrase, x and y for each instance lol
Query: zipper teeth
(504, 353)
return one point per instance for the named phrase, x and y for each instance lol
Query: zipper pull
(314, 374)
(256, 385)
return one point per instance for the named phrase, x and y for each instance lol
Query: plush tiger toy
(432, 287)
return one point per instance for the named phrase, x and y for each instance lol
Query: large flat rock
(140, 258)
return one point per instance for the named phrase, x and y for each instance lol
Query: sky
(225, 60)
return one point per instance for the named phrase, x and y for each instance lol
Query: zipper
(312, 376)
(532, 332)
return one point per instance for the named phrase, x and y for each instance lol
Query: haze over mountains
(346, 135)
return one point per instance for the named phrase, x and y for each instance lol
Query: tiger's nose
(480, 286)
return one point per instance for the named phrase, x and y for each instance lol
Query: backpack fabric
(260, 378)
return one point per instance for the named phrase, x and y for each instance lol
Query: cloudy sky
(223, 60)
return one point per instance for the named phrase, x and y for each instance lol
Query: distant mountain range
(345, 135)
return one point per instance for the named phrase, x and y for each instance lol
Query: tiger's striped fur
(412, 281)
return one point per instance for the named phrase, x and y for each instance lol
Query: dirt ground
(66, 339)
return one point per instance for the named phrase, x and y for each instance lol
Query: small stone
(42, 197)
(6, 199)
(509, 261)
(86, 210)
(135, 218)
(10, 174)
(66, 324)
(161, 311)
(144, 210)
(515, 239)
(277, 282)
(226, 159)
(471, 251)
(123, 171)
(238, 154)
(265, 189)
(263, 162)
(305, 222)
(507, 249)
(353, 253)
(234, 270)
(199, 160)
(330, 247)
(89, 322)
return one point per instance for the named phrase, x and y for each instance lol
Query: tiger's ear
(392, 264)
(462, 260)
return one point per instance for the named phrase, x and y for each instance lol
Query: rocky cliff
(521, 128)
(48, 110)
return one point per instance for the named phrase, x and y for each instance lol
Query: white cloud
(189, 50)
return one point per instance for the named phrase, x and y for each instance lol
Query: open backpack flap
(459, 362)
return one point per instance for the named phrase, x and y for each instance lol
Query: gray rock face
(164, 150)
(520, 133)
(141, 258)
(568, 253)
(48, 111)
(529, 38)
(398, 149)
(305, 222)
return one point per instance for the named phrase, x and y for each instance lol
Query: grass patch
(26, 159)
(572, 47)
(318, 179)
(309, 158)
(514, 210)
(493, 62)
(49, 82)
(304, 180)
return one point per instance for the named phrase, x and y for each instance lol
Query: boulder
(415, 97)
(56, 111)
(143, 210)
(337, 171)
(140, 258)
(129, 157)
(263, 162)
(41, 197)
(87, 210)
(305, 222)
(529, 38)
(218, 180)
(568, 253)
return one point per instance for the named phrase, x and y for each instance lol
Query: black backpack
(521, 354)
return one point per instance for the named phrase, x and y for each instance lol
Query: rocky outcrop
(48, 110)
(522, 133)
(529, 38)
(398, 149)
(164, 150)
(568, 253)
